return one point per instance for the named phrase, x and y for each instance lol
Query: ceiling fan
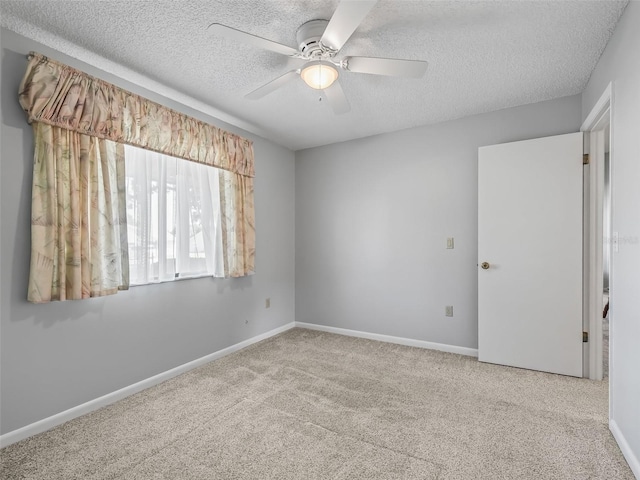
(319, 42)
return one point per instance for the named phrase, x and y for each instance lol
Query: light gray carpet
(311, 405)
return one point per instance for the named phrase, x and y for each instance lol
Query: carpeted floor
(311, 405)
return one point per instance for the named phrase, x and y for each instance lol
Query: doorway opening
(599, 240)
(606, 251)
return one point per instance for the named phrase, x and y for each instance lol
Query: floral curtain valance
(62, 96)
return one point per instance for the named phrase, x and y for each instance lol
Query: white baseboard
(62, 417)
(472, 352)
(629, 455)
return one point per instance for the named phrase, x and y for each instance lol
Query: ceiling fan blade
(345, 20)
(386, 66)
(272, 85)
(337, 99)
(240, 36)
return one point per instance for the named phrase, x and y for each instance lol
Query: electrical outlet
(267, 303)
(450, 243)
(448, 311)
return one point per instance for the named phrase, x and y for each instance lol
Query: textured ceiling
(483, 56)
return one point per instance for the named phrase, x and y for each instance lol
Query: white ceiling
(483, 56)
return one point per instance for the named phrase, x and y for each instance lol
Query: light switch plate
(449, 242)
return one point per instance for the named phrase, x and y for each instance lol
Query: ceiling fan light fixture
(319, 75)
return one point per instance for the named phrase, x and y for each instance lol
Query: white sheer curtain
(173, 215)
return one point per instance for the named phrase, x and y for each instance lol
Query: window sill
(177, 279)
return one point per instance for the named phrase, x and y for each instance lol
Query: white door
(530, 236)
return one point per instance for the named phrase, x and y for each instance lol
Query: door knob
(485, 265)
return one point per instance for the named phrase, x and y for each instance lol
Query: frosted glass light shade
(319, 75)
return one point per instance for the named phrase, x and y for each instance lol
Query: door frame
(596, 239)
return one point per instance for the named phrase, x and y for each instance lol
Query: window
(185, 220)
(173, 217)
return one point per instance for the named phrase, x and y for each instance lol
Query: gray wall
(59, 355)
(373, 215)
(619, 64)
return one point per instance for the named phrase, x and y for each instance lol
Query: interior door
(530, 254)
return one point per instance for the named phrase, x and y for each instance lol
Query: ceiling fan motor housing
(308, 37)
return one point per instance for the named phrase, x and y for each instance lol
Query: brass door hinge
(585, 159)
(585, 337)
